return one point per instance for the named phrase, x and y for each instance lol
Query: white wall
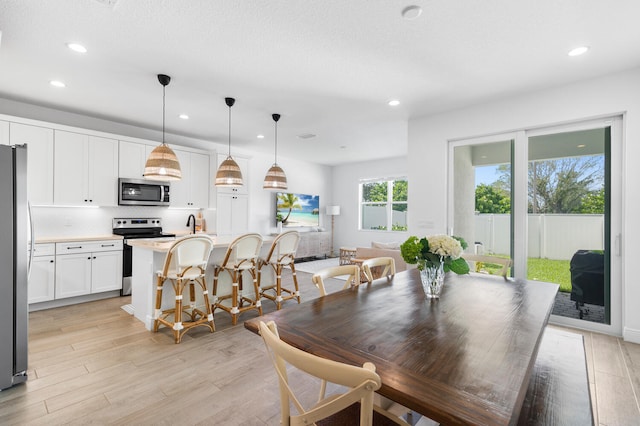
(302, 178)
(346, 180)
(606, 96)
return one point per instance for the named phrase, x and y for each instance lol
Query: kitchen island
(148, 258)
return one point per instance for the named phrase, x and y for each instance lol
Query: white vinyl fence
(374, 216)
(550, 236)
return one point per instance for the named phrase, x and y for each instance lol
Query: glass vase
(432, 278)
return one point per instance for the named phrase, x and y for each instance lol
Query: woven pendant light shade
(229, 173)
(162, 164)
(275, 178)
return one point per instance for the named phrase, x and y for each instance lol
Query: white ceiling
(328, 66)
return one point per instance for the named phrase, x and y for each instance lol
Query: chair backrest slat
(505, 262)
(352, 271)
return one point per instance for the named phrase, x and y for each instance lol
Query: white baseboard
(73, 300)
(631, 335)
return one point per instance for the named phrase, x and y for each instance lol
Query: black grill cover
(587, 277)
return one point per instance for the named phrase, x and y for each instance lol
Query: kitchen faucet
(193, 226)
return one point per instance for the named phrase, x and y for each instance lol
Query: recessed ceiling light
(306, 136)
(184, 116)
(260, 136)
(394, 102)
(581, 145)
(578, 51)
(77, 47)
(57, 83)
(411, 12)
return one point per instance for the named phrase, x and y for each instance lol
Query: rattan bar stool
(241, 256)
(185, 265)
(281, 255)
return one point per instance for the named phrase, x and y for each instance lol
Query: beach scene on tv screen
(298, 209)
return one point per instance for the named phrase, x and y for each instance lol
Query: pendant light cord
(229, 131)
(163, 113)
(275, 157)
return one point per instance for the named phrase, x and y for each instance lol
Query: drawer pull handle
(107, 245)
(75, 247)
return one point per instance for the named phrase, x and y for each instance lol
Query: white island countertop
(163, 244)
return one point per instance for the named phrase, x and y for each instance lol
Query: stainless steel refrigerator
(14, 231)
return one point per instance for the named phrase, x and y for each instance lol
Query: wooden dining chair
(477, 261)
(351, 271)
(353, 402)
(241, 257)
(281, 256)
(382, 267)
(185, 265)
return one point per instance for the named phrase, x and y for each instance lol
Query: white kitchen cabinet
(4, 133)
(232, 216)
(40, 145)
(106, 271)
(73, 275)
(42, 278)
(132, 157)
(86, 267)
(243, 163)
(86, 170)
(193, 189)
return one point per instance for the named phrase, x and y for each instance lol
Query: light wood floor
(95, 364)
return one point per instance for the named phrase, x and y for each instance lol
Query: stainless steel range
(135, 228)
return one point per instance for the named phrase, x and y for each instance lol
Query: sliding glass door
(549, 200)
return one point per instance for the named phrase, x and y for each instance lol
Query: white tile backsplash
(52, 222)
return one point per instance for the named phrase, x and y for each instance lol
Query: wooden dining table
(465, 358)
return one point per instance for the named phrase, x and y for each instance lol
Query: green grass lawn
(553, 271)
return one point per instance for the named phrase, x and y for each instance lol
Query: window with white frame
(383, 204)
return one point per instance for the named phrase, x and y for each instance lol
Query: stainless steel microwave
(143, 192)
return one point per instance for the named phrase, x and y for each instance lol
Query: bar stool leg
(257, 302)
(177, 315)
(278, 271)
(208, 310)
(234, 297)
(295, 281)
(158, 311)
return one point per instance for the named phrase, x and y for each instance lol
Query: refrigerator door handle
(32, 244)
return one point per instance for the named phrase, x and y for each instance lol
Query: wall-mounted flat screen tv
(298, 210)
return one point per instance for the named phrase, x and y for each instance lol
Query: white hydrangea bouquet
(429, 252)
